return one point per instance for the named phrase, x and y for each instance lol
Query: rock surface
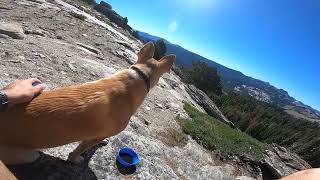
(106, 9)
(12, 29)
(207, 104)
(282, 163)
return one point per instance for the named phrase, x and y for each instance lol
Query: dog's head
(155, 69)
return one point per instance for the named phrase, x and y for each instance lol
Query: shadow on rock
(49, 168)
(126, 170)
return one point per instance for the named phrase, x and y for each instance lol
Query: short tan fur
(89, 112)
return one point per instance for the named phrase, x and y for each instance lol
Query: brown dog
(88, 112)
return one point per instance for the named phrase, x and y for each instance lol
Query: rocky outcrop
(207, 104)
(11, 29)
(282, 163)
(178, 71)
(106, 9)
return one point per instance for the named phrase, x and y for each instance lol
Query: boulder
(12, 29)
(78, 14)
(282, 163)
(207, 104)
(178, 71)
(38, 1)
(120, 21)
(89, 48)
(106, 9)
(106, 5)
(103, 9)
(37, 31)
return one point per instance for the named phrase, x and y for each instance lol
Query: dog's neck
(143, 75)
(137, 85)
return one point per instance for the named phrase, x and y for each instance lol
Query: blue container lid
(127, 157)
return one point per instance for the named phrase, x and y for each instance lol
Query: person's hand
(23, 91)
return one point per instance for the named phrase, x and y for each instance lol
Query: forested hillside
(263, 121)
(270, 124)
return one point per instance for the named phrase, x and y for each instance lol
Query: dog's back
(89, 112)
(64, 115)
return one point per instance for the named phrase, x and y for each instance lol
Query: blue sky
(277, 41)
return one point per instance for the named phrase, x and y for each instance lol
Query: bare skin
(310, 174)
(5, 173)
(23, 91)
(20, 91)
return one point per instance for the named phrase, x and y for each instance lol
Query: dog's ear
(146, 52)
(166, 62)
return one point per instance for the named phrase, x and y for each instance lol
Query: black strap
(143, 76)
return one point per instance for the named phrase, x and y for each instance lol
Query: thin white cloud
(173, 26)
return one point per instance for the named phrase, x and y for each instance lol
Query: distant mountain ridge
(235, 80)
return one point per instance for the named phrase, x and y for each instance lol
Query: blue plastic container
(127, 157)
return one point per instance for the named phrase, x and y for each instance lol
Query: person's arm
(309, 174)
(22, 91)
(5, 173)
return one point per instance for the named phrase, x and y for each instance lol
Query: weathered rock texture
(207, 104)
(11, 29)
(282, 163)
(106, 9)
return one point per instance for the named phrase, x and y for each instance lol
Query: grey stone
(38, 31)
(244, 178)
(90, 48)
(72, 67)
(38, 1)
(207, 104)
(147, 108)
(21, 57)
(78, 15)
(12, 29)
(105, 9)
(282, 163)
(4, 36)
(159, 105)
(38, 54)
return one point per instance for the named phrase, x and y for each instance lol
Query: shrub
(161, 49)
(214, 135)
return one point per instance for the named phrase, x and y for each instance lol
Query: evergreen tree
(161, 49)
(204, 77)
(135, 34)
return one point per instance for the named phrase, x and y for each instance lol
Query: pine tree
(161, 49)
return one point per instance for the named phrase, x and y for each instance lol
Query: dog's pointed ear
(166, 62)
(146, 52)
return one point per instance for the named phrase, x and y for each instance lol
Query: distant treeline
(271, 124)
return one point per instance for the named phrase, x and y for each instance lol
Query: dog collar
(145, 77)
